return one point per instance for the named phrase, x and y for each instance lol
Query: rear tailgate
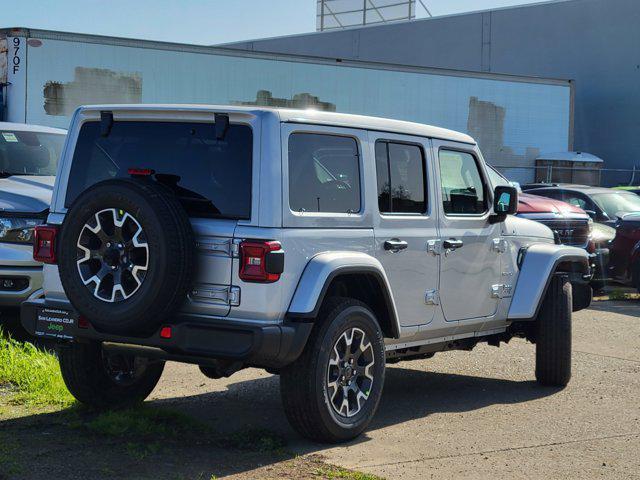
(212, 293)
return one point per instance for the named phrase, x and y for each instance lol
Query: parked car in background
(604, 205)
(28, 161)
(625, 251)
(570, 224)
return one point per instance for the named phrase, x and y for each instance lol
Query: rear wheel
(553, 334)
(104, 380)
(331, 393)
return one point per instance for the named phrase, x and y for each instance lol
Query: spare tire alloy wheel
(126, 256)
(113, 255)
(350, 372)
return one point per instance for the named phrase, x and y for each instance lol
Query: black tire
(170, 256)
(553, 334)
(635, 275)
(303, 384)
(582, 295)
(107, 381)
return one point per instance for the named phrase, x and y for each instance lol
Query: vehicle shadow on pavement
(627, 307)
(409, 394)
(56, 444)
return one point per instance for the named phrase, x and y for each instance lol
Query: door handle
(395, 245)
(452, 244)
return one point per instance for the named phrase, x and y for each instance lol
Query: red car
(570, 224)
(624, 266)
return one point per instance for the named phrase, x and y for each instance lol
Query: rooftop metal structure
(337, 14)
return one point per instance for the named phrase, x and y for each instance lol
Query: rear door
(405, 225)
(470, 263)
(211, 177)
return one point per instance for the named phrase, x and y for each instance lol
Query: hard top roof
(305, 116)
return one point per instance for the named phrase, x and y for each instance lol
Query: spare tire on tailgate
(126, 255)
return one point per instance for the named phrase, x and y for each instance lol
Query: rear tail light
(261, 262)
(44, 245)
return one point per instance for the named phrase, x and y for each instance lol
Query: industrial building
(595, 43)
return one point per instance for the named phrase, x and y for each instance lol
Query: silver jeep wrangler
(317, 246)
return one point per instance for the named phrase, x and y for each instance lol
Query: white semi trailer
(45, 75)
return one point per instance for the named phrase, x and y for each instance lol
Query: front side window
(463, 192)
(324, 173)
(401, 178)
(29, 153)
(210, 177)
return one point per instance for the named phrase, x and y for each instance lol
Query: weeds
(257, 440)
(31, 377)
(8, 464)
(144, 422)
(330, 472)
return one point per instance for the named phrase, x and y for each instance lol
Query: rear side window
(463, 191)
(324, 173)
(401, 178)
(212, 178)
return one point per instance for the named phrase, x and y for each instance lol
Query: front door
(405, 221)
(470, 261)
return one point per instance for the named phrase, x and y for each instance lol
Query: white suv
(28, 159)
(315, 245)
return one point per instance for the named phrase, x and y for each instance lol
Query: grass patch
(256, 440)
(144, 422)
(8, 464)
(331, 472)
(147, 430)
(31, 377)
(621, 295)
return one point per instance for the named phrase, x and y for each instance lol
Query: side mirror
(591, 213)
(505, 202)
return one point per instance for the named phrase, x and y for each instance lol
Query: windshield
(29, 153)
(617, 202)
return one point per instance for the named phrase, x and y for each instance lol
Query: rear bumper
(197, 339)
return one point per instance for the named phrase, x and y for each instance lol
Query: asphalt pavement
(461, 415)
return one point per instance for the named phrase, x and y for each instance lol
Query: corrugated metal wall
(594, 42)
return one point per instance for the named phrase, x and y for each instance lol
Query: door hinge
(216, 294)
(499, 245)
(432, 297)
(217, 246)
(434, 247)
(501, 290)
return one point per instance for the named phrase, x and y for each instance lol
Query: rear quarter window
(211, 178)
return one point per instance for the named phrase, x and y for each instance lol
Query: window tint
(462, 189)
(210, 177)
(324, 173)
(401, 178)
